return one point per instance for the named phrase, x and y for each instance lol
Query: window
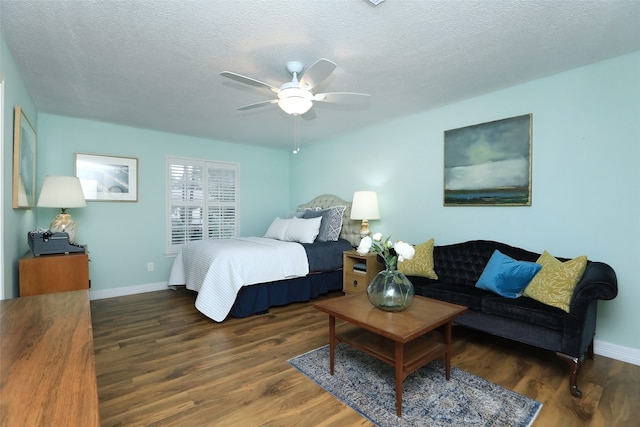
(202, 201)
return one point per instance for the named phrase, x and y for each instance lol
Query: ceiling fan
(296, 97)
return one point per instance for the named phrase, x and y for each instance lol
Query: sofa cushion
(555, 283)
(451, 292)
(464, 262)
(422, 262)
(524, 310)
(506, 276)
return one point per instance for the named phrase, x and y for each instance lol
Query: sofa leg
(590, 353)
(574, 368)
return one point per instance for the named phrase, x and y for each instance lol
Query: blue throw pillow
(506, 276)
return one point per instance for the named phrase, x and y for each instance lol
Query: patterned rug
(368, 386)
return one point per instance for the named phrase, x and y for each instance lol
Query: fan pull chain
(296, 135)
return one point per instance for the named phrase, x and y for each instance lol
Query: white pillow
(277, 229)
(303, 230)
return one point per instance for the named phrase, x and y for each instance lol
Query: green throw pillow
(555, 282)
(422, 262)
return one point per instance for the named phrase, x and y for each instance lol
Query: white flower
(404, 250)
(365, 245)
(391, 253)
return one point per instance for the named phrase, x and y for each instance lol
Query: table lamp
(62, 192)
(365, 207)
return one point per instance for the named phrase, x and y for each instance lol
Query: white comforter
(218, 268)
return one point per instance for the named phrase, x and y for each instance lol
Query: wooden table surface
(423, 315)
(47, 365)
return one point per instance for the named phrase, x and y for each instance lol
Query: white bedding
(218, 268)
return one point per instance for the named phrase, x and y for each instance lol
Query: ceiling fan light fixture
(296, 97)
(295, 105)
(294, 100)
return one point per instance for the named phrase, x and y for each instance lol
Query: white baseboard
(602, 348)
(127, 290)
(618, 352)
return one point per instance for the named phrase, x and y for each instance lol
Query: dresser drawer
(355, 283)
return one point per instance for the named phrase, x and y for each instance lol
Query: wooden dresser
(47, 365)
(45, 274)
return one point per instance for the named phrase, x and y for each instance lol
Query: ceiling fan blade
(342, 97)
(257, 105)
(248, 80)
(317, 73)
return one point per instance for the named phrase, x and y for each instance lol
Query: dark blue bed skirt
(258, 298)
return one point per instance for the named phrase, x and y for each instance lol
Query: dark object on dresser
(522, 319)
(43, 242)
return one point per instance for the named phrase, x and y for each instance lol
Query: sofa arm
(598, 282)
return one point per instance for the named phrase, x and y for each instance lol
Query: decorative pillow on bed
(309, 209)
(335, 222)
(506, 276)
(324, 224)
(302, 230)
(331, 224)
(277, 229)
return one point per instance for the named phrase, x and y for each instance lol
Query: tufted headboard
(350, 228)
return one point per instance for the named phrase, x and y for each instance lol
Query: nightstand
(47, 274)
(358, 271)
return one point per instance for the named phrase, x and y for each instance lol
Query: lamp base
(64, 223)
(364, 228)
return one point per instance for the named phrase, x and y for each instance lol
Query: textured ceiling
(156, 64)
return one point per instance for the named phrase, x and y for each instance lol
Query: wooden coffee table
(400, 339)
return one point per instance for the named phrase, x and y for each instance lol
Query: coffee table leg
(332, 342)
(399, 377)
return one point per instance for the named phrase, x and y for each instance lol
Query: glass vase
(390, 290)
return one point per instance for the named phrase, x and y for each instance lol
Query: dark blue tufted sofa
(523, 319)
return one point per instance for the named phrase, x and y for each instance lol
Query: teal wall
(16, 222)
(586, 192)
(123, 237)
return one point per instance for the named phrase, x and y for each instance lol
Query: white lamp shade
(365, 205)
(61, 192)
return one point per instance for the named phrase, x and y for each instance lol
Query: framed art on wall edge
(108, 178)
(24, 161)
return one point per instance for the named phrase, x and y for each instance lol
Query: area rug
(368, 386)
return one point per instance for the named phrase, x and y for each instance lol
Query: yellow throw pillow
(555, 282)
(422, 262)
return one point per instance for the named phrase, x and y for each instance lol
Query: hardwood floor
(160, 362)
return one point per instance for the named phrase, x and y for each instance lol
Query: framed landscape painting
(489, 164)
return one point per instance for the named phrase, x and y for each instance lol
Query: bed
(245, 276)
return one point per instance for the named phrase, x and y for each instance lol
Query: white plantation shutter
(202, 201)
(221, 200)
